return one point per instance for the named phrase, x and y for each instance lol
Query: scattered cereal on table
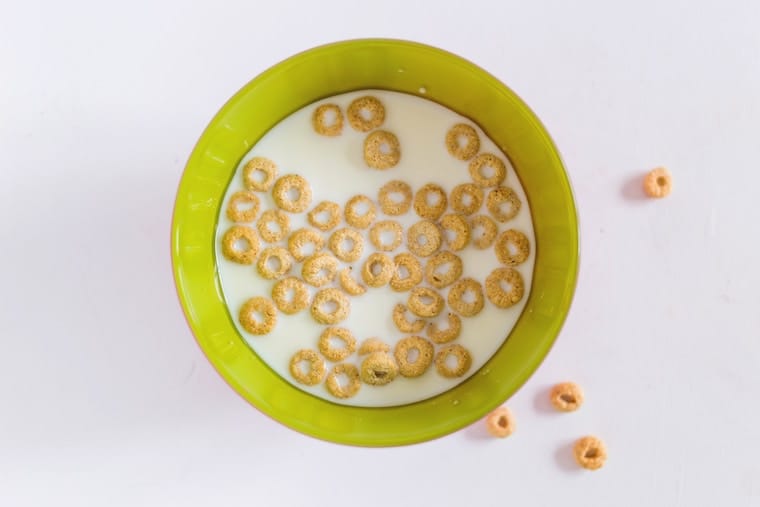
(566, 397)
(590, 453)
(658, 183)
(500, 423)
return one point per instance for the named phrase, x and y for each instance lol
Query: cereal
(290, 295)
(274, 255)
(365, 113)
(376, 235)
(404, 325)
(382, 150)
(414, 356)
(449, 334)
(240, 244)
(463, 361)
(371, 345)
(567, 396)
(430, 201)
(319, 269)
(315, 371)
(423, 238)
(495, 172)
(496, 293)
(283, 188)
(348, 284)
(331, 213)
(391, 206)
(378, 270)
(337, 244)
(658, 182)
(408, 272)
(498, 198)
(249, 203)
(263, 166)
(356, 219)
(351, 374)
(250, 310)
(466, 198)
(466, 297)
(339, 353)
(378, 369)
(500, 423)
(438, 279)
(459, 229)
(273, 217)
(590, 453)
(425, 302)
(512, 247)
(483, 231)
(327, 120)
(302, 237)
(330, 306)
(459, 150)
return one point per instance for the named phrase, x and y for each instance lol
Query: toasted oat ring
(425, 302)
(466, 198)
(486, 238)
(453, 141)
(590, 453)
(390, 206)
(460, 229)
(319, 269)
(262, 165)
(243, 197)
(353, 218)
(378, 369)
(330, 296)
(371, 345)
(404, 325)
(300, 297)
(500, 423)
(281, 191)
(378, 270)
(494, 163)
(301, 238)
(440, 280)
(372, 106)
(658, 183)
(512, 241)
(429, 231)
(500, 196)
(464, 361)
(319, 120)
(316, 371)
(346, 254)
(333, 384)
(276, 217)
(376, 235)
(449, 334)
(567, 396)
(280, 255)
(408, 263)
(258, 305)
(348, 284)
(341, 334)
(456, 297)
(422, 205)
(230, 248)
(330, 209)
(413, 368)
(382, 150)
(497, 295)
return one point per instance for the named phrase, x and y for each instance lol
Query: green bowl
(403, 67)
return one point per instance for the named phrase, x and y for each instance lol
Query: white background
(106, 400)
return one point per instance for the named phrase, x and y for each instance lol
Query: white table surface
(105, 399)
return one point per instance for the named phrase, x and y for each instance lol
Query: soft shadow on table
(632, 190)
(542, 402)
(478, 432)
(565, 459)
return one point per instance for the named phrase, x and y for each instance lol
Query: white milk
(336, 171)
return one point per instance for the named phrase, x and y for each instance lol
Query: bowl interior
(404, 67)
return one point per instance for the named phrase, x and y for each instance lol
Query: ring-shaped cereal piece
(377, 270)
(500, 423)
(391, 206)
(356, 219)
(375, 113)
(438, 279)
(408, 272)
(348, 284)
(243, 198)
(459, 231)
(567, 396)
(290, 295)
(463, 358)
(376, 235)
(331, 352)
(658, 183)
(302, 237)
(416, 366)
(459, 150)
(284, 186)
(282, 259)
(316, 369)
(497, 295)
(331, 212)
(403, 324)
(432, 238)
(382, 150)
(498, 198)
(334, 386)
(232, 248)
(457, 297)
(483, 231)
(422, 205)
(466, 198)
(378, 369)
(448, 334)
(262, 306)
(512, 247)
(263, 166)
(275, 217)
(337, 246)
(319, 269)
(590, 453)
(371, 345)
(335, 298)
(425, 302)
(321, 122)
(487, 161)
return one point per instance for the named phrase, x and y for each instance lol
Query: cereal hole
(361, 208)
(292, 194)
(329, 307)
(661, 181)
(258, 176)
(342, 380)
(503, 422)
(274, 263)
(304, 366)
(567, 398)
(366, 114)
(469, 296)
(422, 240)
(452, 362)
(591, 453)
(403, 272)
(433, 199)
(241, 245)
(376, 268)
(347, 244)
(385, 148)
(413, 355)
(487, 171)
